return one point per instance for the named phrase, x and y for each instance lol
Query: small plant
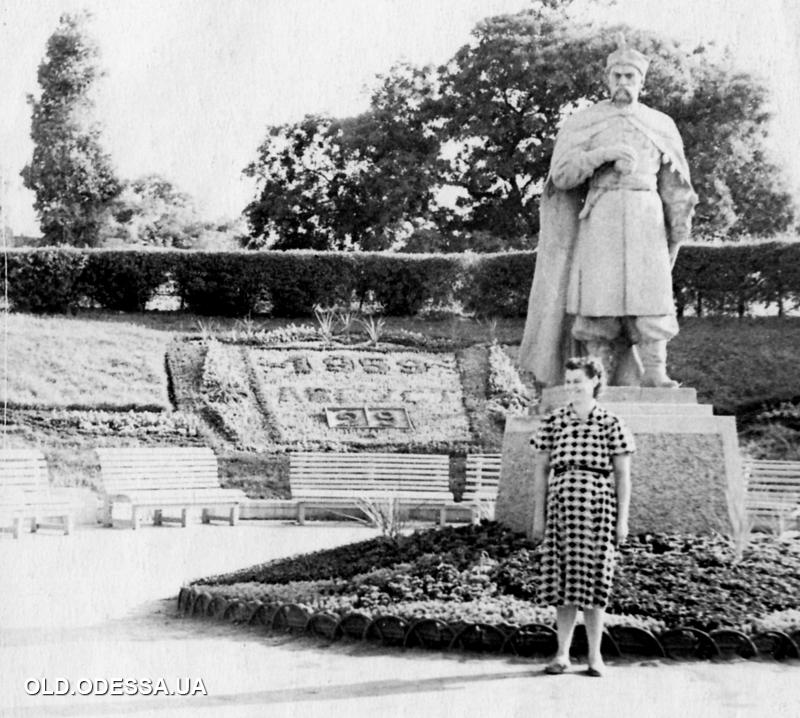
(347, 319)
(491, 330)
(207, 331)
(382, 512)
(373, 328)
(326, 319)
(245, 330)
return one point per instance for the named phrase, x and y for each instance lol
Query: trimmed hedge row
(728, 279)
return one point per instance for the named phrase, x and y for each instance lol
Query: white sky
(192, 84)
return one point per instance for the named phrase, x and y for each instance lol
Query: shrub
(45, 280)
(300, 280)
(731, 278)
(126, 280)
(499, 284)
(402, 283)
(230, 284)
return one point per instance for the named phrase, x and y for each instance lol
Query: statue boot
(605, 351)
(654, 361)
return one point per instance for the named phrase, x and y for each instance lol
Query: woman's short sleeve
(542, 440)
(620, 438)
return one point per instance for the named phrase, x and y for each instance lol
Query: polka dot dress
(578, 551)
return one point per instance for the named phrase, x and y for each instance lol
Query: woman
(586, 500)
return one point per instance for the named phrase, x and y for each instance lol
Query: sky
(192, 85)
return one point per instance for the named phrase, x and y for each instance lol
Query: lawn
(65, 361)
(102, 360)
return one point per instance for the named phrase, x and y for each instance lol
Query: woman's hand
(622, 533)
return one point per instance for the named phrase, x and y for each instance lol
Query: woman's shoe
(594, 672)
(556, 668)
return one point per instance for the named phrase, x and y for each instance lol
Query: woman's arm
(541, 475)
(622, 476)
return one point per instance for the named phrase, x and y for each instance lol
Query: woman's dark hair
(592, 367)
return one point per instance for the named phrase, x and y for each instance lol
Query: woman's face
(578, 385)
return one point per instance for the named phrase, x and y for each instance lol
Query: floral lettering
(374, 365)
(338, 363)
(318, 395)
(411, 366)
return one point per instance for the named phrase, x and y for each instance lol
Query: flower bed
(670, 585)
(120, 423)
(298, 385)
(226, 395)
(507, 393)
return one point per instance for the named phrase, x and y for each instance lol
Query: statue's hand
(623, 157)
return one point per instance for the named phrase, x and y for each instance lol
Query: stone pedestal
(686, 474)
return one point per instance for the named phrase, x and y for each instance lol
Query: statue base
(686, 474)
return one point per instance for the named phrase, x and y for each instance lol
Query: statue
(616, 205)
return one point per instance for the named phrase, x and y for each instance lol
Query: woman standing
(581, 509)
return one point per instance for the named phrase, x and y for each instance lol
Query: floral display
(300, 385)
(507, 393)
(124, 423)
(487, 574)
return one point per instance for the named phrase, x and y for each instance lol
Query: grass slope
(60, 361)
(100, 359)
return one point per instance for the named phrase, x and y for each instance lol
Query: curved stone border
(535, 639)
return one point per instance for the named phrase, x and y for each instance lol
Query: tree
(351, 183)
(483, 127)
(505, 94)
(151, 211)
(70, 173)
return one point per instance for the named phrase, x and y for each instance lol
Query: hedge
(727, 279)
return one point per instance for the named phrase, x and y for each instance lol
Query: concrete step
(628, 408)
(555, 396)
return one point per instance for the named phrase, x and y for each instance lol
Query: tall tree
(350, 183)
(482, 127)
(70, 173)
(505, 94)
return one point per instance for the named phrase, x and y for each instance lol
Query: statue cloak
(547, 341)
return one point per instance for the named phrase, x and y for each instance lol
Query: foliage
(225, 392)
(507, 394)
(498, 285)
(330, 184)
(123, 280)
(126, 423)
(71, 175)
(483, 126)
(150, 211)
(403, 283)
(665, 580)
(45, 280)
(459, 545)
(708, 279)
(230, 284)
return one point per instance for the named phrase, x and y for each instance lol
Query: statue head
(625, 72)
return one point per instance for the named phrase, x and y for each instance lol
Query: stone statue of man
(616, 206)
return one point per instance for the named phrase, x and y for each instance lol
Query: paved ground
(97, 606)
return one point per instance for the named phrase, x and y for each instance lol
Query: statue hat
(625, 55)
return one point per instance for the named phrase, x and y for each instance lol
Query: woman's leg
(594, 634)
(565, 624)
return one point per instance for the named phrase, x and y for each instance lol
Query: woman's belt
(581, 467)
